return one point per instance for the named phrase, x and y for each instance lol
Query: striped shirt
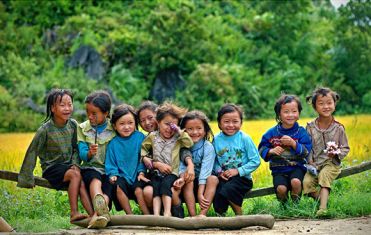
(53, 145)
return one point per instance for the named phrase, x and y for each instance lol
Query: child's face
(125, 125)
(164, 127)
(195, 129)
(147, 120)
(325, 105)
(230, 123)
(95, 115)
(289, 114)
(62, 110)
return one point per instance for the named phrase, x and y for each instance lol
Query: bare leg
(124, 201)
(157, 205)
(166, 200)
(323, 197)
(74, 179)
(237, 209)
(295, 189)
(281, 193)
(175, 200)
(211, 184)
(85, 199)
(148, 196)
(190, 198)
(96, 188)
(141, 202)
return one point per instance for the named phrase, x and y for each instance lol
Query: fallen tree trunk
(224, 223)
(344, 173)
(13, 176)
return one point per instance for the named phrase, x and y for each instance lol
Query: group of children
(106, 160)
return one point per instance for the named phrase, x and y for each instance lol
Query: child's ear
(52, 108)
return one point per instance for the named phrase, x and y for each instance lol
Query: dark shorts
(162, 185)
(143, 184)
(55, 175)
(232, 190)
(107, 188)
(286, 177)
(128, 189)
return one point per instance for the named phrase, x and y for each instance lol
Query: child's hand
(113, 179)
(163, 168)
(223, 176)
(278, 150)
(230, 173)
(189, 174)
(203, 202)
(331, 155)
(141, 177)
(148, 162)
(93, 149)
(178, 184)
(288, 141)
(174, 127)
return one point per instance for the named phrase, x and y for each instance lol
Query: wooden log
(13, 176)
(5, 227)
(224, 223)
(344, 173)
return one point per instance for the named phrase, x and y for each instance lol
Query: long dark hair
(52, 98)
(100, 99)
(196, 114)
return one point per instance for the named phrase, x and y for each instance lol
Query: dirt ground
(350, 226)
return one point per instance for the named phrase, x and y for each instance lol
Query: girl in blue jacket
(286, 147)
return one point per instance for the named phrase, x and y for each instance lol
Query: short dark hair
(196, 114)
(284, 99)
(172, 109)
(229, 108)
(312, 99)
(100, 99)
(147, 105)
(122, 110)
(52, 97)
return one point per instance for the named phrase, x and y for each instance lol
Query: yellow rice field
(358, 128)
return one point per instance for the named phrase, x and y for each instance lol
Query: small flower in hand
(332, 148)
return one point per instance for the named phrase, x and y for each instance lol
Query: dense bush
(247, 52)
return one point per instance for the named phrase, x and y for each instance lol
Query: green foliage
(247, 52)
(127, 86)
(208, 89)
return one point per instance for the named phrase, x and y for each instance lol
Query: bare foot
(77, 217)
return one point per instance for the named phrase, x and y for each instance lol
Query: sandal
(98, 222)
(101, 207)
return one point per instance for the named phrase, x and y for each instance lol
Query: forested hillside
(205, 53)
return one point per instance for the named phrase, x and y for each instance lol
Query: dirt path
(361, 225)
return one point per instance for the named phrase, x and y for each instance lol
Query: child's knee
(295, 183)
(212, 180)
(281, 190)
(138, 192)
(73, 175)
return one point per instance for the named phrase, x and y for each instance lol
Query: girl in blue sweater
(203, 187)
(123, 156)
(237, 157)
(286, 147)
